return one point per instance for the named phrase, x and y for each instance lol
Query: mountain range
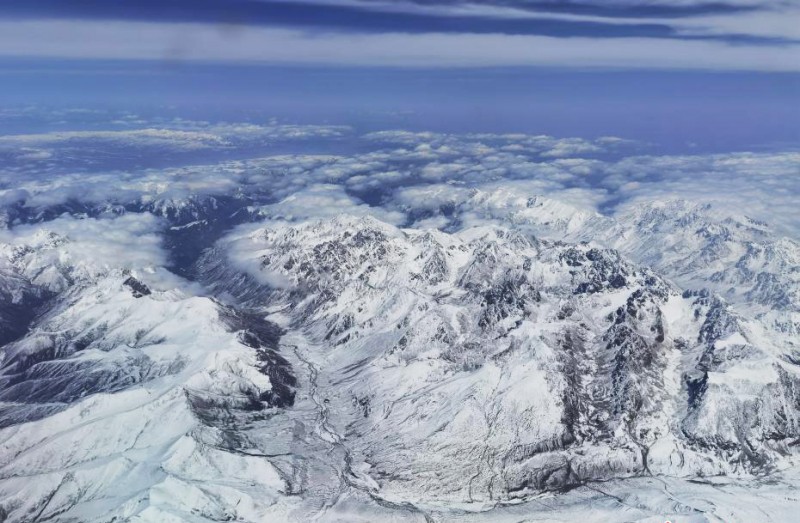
(196, 360)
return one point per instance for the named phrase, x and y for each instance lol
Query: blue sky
(675, 111)
(611, 102)
(685, 74)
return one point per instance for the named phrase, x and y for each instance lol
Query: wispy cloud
(709, 35)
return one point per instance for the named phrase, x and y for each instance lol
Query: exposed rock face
(522, 364)
(138, 289)
(117, 399)
(350, 361)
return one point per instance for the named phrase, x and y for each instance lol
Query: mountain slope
(485, 364)
(415, 373)
(123, 398)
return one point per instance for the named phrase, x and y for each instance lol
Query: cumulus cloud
(71, 248)
(439, 144)
(762, 186)
(244, 248)
(188, 140)
(419, 177)
(446, 206)
(178, 138)
(120, 188)
(325, 201)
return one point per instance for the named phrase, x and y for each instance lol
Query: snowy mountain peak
(538, 356)
(413, 367)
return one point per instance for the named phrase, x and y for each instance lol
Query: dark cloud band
(349, 18)
(608, 9)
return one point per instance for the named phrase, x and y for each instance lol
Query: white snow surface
(645, 370)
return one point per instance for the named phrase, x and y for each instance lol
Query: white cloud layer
(69, 248)
(325, 201)
(415, 176)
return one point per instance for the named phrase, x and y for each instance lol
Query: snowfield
(527, 361)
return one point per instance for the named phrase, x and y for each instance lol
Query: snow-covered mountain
(117, 402)
(736, 256)
(487, 365)
(697, 246)
(692, 243)
(348, 369)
